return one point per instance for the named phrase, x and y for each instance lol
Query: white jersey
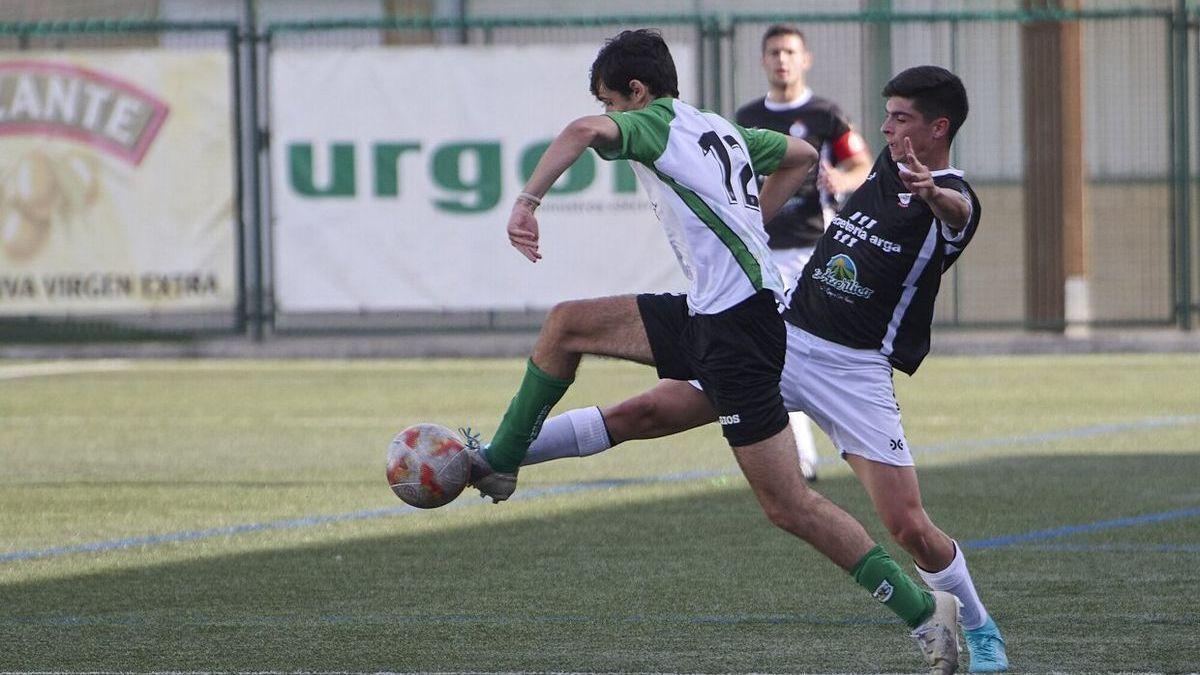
(698, 169)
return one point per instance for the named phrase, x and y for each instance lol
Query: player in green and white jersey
(698, 170)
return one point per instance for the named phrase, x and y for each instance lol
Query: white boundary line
(14, 372)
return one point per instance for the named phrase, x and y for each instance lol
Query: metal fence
(119, 35)
(1130, 152)
(1140, 72)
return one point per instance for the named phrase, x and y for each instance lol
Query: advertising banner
(116, 182)
(394, 171)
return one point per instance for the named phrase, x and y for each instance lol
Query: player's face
(903, 120)
(785, 60)
(615, 101)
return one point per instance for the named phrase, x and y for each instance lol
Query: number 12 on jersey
(718, 148)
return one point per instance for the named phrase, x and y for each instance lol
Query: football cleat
(938, 636)
(987, 648)
(490, 483)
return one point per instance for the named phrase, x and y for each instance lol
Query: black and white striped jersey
(801, 221)
(873, 279)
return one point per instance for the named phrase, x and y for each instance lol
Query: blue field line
(1114, 548)
(392, 619)
(1055, 533)
(311, 521)
(589, 486)
(1046, 436)
(1062, 434)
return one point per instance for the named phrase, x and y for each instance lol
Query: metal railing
(1142, 168)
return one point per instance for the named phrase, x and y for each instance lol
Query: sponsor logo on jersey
(871, 176)
(727, 420)
(905, 199)
(884, 592)
(798, 129)
(841, 274)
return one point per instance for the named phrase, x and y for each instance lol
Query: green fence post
(718, 33)
(879, 61)
(701, 95)
(1180, 165)
(257, 254)
(234, 38)
(1182, 168)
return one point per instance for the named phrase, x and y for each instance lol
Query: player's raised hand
(523, 230)
(825, 177)
(915, 175)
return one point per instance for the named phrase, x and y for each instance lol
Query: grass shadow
(686, 584)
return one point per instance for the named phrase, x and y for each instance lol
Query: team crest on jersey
(905, 199)
(798, 129)
(841, 274)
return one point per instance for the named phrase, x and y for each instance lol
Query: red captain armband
(847, 145)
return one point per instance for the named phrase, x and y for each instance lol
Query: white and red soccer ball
(428, 465)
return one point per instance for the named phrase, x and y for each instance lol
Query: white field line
(73, 366)
(14, 372)
(203, 421)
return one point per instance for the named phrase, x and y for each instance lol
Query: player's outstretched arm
(597, 131)
(797, 162)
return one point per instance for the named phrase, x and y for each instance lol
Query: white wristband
(535, 201)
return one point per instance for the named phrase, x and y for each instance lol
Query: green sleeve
(766, 148)
(643, 134)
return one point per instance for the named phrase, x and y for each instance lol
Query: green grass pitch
(233, 516)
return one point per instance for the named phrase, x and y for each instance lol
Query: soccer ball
(427, 465)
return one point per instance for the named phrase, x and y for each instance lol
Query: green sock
(887, 583)
(523, 419)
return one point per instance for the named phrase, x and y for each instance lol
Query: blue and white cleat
(987, 648)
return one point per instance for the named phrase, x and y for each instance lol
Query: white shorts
(791, 262)
(848, 393)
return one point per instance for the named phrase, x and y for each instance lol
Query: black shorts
(737, 355)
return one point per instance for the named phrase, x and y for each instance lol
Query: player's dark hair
(782, 29)
(635, 55)
(935, 92)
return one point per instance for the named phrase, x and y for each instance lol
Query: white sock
(956, 579)
(575, 433)
(802, 431)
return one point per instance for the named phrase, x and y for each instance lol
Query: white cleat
(490, 483)
(938, 636)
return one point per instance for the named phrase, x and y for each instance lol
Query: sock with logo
(524, 417)
(575, 433)
(887, 583)
(956, 580)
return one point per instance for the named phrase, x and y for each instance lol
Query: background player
(790, 107)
